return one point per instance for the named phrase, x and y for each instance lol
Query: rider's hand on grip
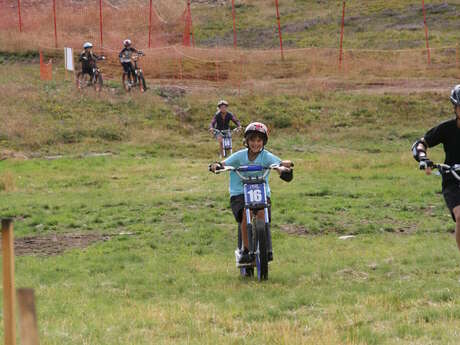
(215, 166)
(425, 163)
(287, 164)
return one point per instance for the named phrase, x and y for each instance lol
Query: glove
(425, 163)
(215, 166)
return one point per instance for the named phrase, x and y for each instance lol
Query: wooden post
(8, 281)
(27, 317)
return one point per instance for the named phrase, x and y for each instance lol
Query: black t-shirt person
(223, 123)
(448, 134)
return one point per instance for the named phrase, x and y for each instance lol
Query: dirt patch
(55, 244)
(292, 229)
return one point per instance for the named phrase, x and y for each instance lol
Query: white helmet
(222, 102)
(87, 45)
(127, 42)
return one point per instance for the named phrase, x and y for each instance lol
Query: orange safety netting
(59, 23)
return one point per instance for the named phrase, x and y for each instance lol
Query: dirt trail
(55, 244)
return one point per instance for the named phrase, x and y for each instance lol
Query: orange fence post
(341, 36)
(186, 36)
(279, 29)
(19, 16)
(55, 28)
(179, 60)
(189, 11)
(8, 282)
(217, 64)
(234, 24)
(100, 21)
(150, 23)
(426, 33)
(241, 74)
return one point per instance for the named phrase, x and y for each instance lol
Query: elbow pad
(417, 152)
(287, 176)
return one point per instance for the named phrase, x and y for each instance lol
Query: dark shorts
(237, 205)
(87, 70)
(128, 67)
(451, 195)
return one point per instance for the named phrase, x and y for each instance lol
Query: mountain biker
(447, 133)
(88, 59)
(255, 139)
(221, 121)
(126, 59)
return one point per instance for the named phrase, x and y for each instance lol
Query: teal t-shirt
(240, 158)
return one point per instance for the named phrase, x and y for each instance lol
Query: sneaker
(245, 258)
(270, 256)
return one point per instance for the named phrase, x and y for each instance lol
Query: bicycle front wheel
(126, 82)
(82, 80)
(262, 250)
(141, 81)
(98, 82)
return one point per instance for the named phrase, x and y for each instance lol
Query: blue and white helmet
(455, 95)
(87, 45)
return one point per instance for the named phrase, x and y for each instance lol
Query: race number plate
(254, 194)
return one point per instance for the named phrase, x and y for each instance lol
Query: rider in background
(255, 139)
(88, 59)
(447, 133)
(125, 59)
(221, 121)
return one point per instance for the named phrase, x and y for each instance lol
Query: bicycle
(442, 168)
(259, 235)
(127, 81)
(84, 80)
(227, 145)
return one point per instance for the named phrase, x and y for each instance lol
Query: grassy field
(375, 24)
(166, 273)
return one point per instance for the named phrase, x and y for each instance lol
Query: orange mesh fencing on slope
(80, 22)
(233, 68)
(77, 22)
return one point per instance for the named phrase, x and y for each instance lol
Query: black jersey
(448, 134)
(126, 54)
(88, 59)
(222, 123)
